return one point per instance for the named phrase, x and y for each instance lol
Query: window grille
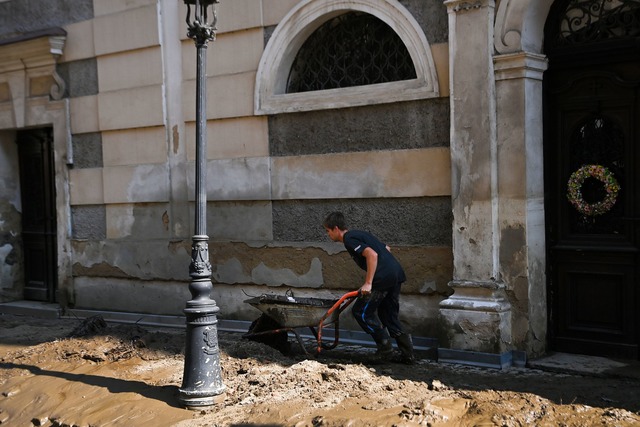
(353, 49)
(589, 21)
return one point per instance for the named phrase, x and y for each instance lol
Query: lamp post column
(202, 380)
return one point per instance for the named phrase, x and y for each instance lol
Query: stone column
(477, 316)
(521, 195)
(179, 216)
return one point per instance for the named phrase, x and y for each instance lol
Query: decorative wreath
(602, 174)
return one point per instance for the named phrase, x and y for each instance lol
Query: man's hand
(365, 289)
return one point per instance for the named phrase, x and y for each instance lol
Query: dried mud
(126, 375)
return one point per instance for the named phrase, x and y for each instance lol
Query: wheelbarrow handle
(348, 295)
(339, 305)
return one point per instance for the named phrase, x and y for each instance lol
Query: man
(376, 310)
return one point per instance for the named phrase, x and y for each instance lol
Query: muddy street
(128, 375)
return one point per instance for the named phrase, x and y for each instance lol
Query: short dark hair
(335, 219)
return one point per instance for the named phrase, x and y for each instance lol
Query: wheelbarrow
(288, 314)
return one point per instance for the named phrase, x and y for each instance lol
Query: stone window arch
(300, 23)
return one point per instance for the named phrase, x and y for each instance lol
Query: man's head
(335, 219)
(335, 225)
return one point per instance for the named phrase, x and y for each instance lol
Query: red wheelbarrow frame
(332, 314)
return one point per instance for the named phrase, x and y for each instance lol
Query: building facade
(460, 151)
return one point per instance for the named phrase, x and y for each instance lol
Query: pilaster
(521, 194)
(477, 317)
(473, 142)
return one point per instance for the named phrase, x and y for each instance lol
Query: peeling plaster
(232, 271)
(513, 251)
(5, 264)
(98, 269)
(10, 249)
(483, 331)
(125, 220)
(513, 264)
(148, 182)
(133, 259)
(165, 220)
(325, 265)
(5, 255)
(429, 288)
(176, 140)
(284, 276)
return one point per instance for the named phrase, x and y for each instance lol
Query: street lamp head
(202, 23)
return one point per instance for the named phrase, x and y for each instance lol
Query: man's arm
(372, 263)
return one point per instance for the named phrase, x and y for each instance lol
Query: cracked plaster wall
(11, 263)
(11, 258)
(130, 251)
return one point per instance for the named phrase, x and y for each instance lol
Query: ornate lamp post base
(202, 383)
(202, 380)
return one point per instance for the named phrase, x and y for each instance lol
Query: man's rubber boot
(405, 345)
(384, 351)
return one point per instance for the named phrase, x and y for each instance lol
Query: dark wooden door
(593, 125)
(35, 149)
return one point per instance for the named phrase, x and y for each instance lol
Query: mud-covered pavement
(125, 375)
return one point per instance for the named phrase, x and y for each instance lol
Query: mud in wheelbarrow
(284, 314)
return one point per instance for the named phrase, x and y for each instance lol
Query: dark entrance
(35, 150)
(592, 176)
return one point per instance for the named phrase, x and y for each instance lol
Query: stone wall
(11, 267)
(25, 16)
(130, 74)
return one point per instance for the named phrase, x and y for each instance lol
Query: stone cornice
(27, 61)
(459, 6)
(28, 53)
(481, 296)
(55, 31)
(519, 65)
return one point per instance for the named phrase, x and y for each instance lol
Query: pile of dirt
(127, 375)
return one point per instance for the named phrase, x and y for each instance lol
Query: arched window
(315, 58)
(354, 49)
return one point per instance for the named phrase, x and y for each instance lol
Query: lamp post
(202, 380)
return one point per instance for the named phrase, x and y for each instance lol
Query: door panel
(35, 149)
(592, 118)
(596, 304)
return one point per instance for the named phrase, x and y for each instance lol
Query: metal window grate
(353, 49)
(588, 21)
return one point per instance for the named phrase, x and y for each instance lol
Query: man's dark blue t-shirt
(389, 271)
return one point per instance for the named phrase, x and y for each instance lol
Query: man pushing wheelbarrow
(376, 309)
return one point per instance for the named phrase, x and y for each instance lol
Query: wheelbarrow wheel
(267, 331)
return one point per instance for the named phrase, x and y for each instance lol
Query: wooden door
(593, 208)
(35, 150)
(592, 176)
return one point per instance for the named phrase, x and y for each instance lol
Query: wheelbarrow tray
(290, 313)
(296, 312)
